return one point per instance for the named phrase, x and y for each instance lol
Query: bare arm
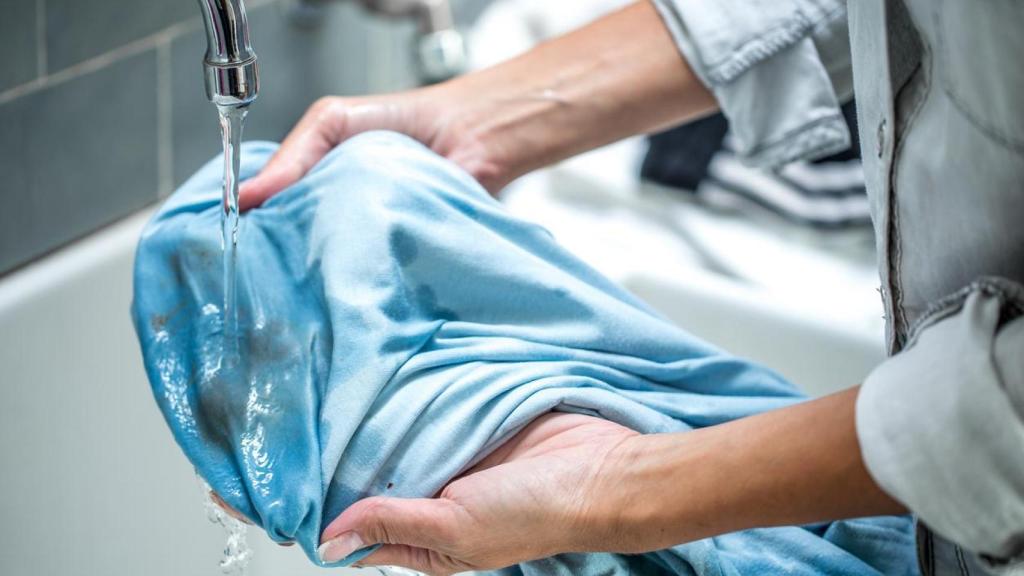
(788, 467)
(570, 483)
(620, 76)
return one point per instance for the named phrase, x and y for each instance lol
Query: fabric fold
(397, 325)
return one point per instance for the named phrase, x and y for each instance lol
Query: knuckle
(326, 107)
(322, 103)
(373, 512)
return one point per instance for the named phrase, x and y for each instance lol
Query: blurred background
(103, 114)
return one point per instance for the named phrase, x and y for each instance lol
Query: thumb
(423, 523)
(321, 128)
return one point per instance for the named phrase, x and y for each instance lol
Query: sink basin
(799, 301)
(88, 460)
(818, 356)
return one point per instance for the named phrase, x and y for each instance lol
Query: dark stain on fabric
(397, 307)
(269, 344)
(220, 404)
(158, 322)
(427, 300)
(206, 258)
(404, 247)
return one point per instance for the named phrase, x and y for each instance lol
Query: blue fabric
(399, 324)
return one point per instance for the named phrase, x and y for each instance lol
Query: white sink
(801, 302)
(818, 356)
(91, 481)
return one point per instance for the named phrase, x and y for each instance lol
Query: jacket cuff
(941, 425)
(759, 59)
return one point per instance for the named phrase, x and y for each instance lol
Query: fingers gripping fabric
(397, 324)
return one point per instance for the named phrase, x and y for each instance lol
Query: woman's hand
(426, 115)
(572, 94)
(537, 495)
(571, 483)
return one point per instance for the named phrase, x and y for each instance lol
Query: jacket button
(881, 138)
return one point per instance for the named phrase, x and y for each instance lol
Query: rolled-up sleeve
(774, 66)
(941, 424)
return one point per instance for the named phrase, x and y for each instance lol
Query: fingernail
(340, 548)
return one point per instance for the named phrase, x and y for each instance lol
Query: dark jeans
(940, 557)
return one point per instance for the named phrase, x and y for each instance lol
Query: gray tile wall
(18, 42)
(77, 30)
(76, 156)
(102, 109)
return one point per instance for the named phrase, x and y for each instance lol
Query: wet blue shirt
(398, 324)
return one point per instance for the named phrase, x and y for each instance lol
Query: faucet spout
(231, 70)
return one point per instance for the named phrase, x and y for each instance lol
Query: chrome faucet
(231, 70)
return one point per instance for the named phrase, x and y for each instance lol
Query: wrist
(765, 470)
(634, 502)
(484, 128)
(565, 97)
(663, 490)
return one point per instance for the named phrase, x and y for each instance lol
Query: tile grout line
(165, 120)
(95, 63)
(41, 50)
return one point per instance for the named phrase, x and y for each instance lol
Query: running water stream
(236, 552)
(232, 120)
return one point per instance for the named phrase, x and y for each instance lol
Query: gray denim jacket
(940, 95)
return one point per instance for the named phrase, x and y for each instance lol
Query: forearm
(788, 467)
(617, 77)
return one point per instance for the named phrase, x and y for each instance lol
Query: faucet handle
(441, 55)
(440, 49)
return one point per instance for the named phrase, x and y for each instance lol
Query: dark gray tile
(298, 64)
(18, 54)
(75, 157)
(77, 30)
